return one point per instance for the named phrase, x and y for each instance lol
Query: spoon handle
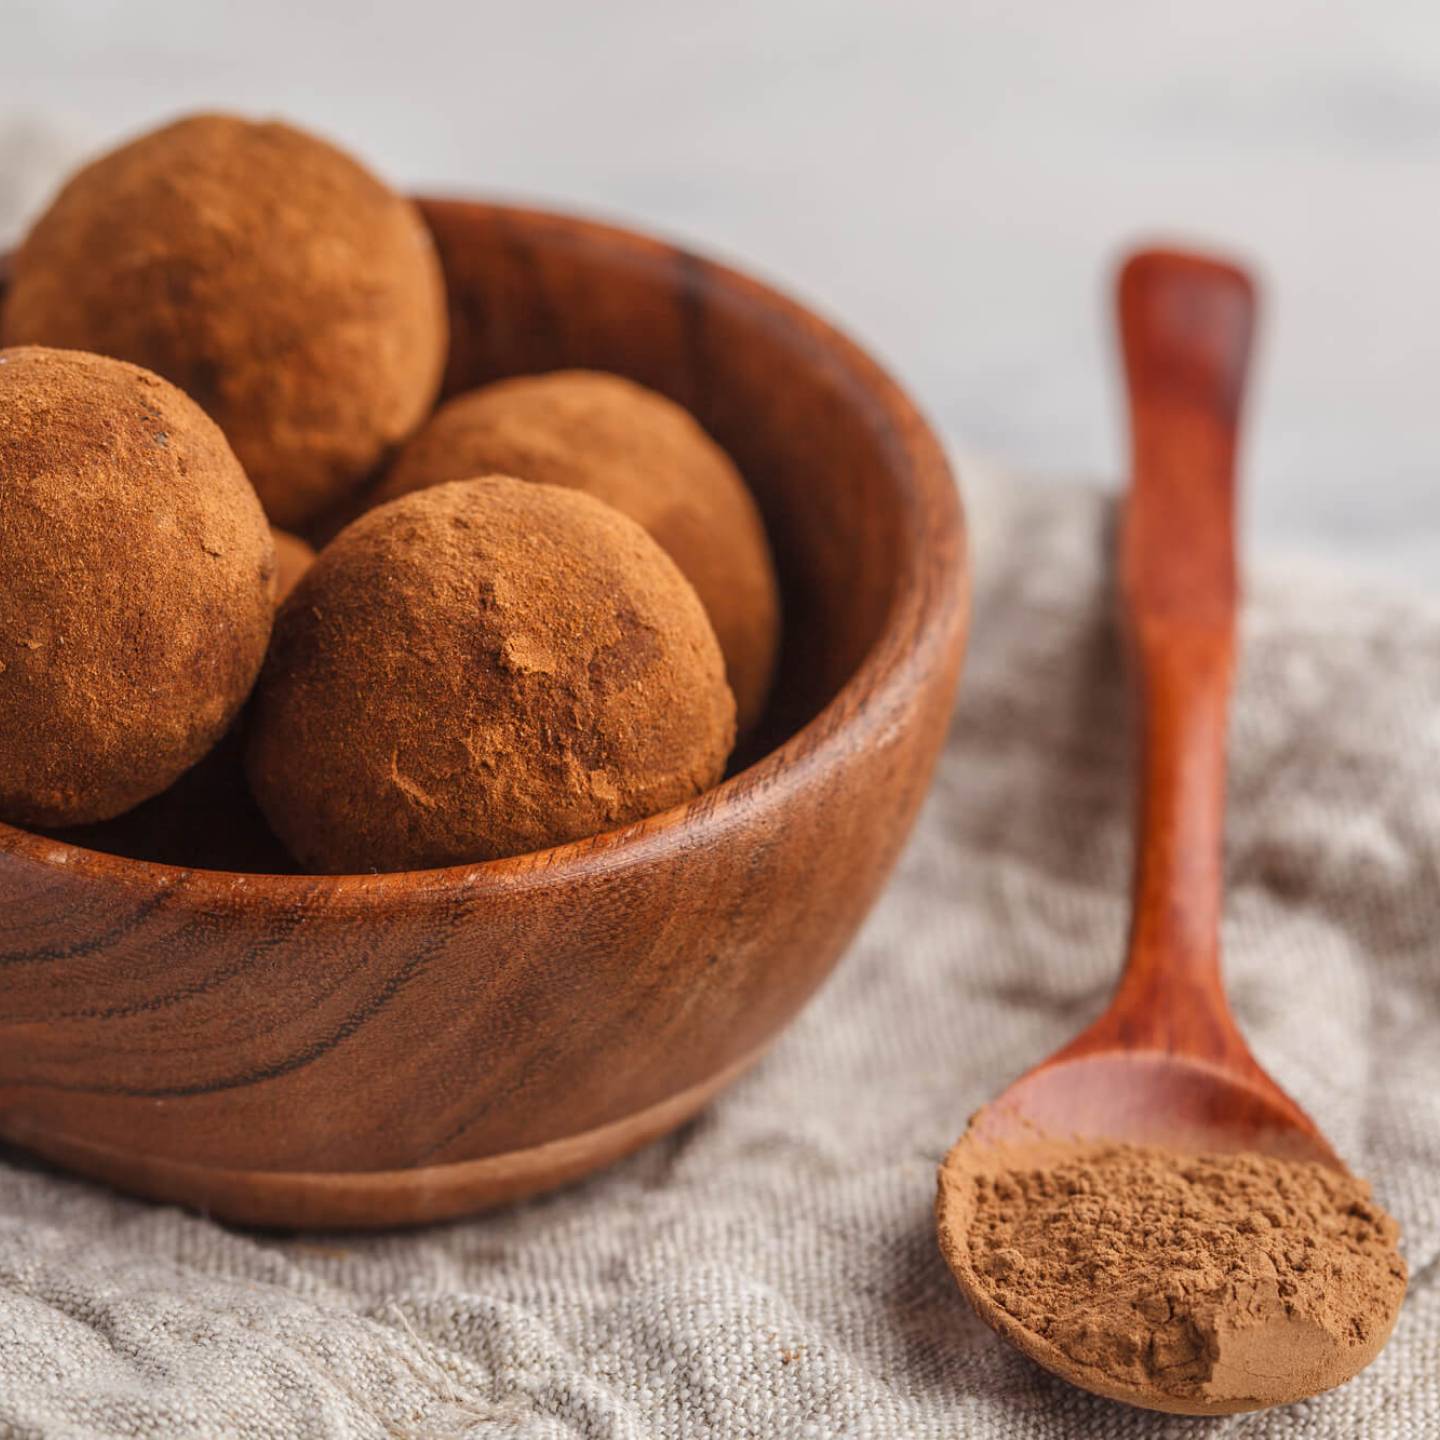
(1185, 324)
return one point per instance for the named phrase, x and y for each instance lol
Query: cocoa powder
(293, 557)
(288, 291)
(137, 581)
(1205, 1281)
(482, 669)
(649, 458)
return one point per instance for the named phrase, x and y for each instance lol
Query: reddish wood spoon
(1166, 1064)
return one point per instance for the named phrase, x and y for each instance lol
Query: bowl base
(370, 1199)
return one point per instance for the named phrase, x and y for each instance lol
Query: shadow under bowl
(367, 1050)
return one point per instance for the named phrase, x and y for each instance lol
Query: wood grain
(1186, 325)
(210, 1035)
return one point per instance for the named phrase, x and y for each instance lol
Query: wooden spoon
(1165, 1065)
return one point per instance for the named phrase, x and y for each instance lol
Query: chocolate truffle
(293, 557)
(481, 669)
(648, 458)
(136, 593)
(278, 283)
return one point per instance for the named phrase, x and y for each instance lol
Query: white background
(952, 181)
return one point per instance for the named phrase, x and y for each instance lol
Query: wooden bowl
(384, 1049)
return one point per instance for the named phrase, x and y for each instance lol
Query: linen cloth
(771, 1270)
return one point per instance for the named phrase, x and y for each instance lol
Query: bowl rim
(931, 601)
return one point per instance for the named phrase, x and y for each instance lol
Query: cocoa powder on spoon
(1243, 1279)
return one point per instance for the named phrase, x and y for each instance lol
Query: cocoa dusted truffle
(136, 585)
(293, 557)
(284, 288)
(481, 669)
(648, 458)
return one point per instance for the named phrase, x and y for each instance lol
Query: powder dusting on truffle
(135, 590)
(646, 456)
(282, 286)
(481, 669)
(293, 557)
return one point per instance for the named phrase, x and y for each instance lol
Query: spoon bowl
(1146, 1097)
(1177, 1102)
